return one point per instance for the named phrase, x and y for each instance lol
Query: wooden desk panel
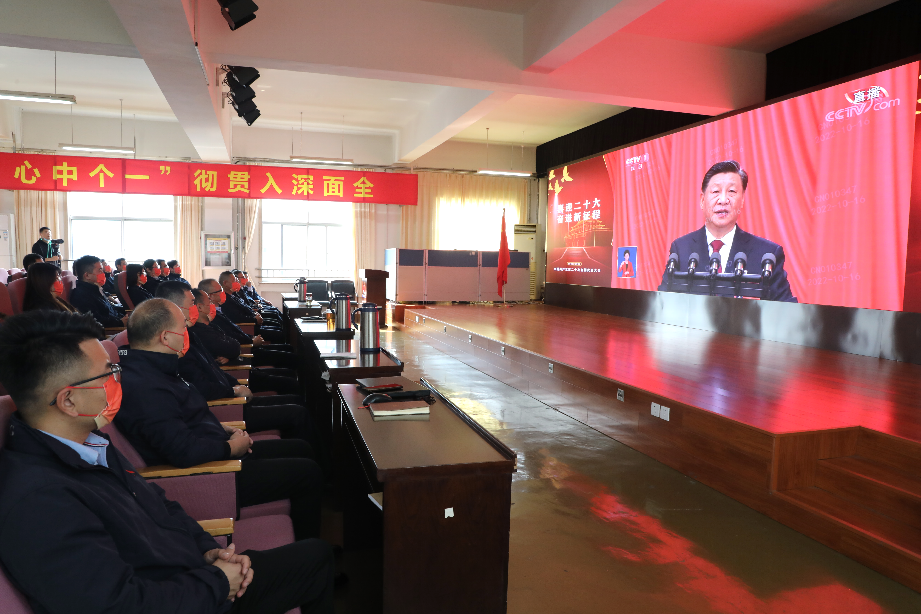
(377, 364)
(320, 330)
(446, 510)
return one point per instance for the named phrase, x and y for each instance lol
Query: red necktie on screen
(717, 245)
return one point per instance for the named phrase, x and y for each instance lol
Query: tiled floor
(599, 527)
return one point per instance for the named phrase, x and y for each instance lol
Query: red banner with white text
(20, 171)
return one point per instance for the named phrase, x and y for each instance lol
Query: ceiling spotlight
(36, 97)
(240, 92)
(238, 12)
(243, 107)
(244, 74)
(250, 117)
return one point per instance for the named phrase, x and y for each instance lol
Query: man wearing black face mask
(82, 532)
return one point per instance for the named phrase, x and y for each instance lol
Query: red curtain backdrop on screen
(580, 236)
(829, 180)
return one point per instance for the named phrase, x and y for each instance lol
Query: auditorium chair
(209, 498)
(343, 286)
(120, 339)
(121, 286)
(4, 275)
(6, 306)
(16, 275)
(69, 284)
(17, 290)
(319, 289)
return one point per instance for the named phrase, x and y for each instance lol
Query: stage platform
(825, 442)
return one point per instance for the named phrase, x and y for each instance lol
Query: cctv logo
(863, 101)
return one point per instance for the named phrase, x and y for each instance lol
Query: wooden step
(870, 484)
(897, 536)
(903, 454)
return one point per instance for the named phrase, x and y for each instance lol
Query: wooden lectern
(374, 290)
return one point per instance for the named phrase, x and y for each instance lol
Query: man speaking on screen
(722, 196)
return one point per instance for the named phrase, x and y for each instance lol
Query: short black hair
(84, 264)
(149, 263)
(43, 229)
(626, 252)
(30, 259)
(172, 263)
(35, 345)
(726, 166)
(200, 296)
(204, 284)
(118, 261)
(223, 276)
(173, 290)
(148, 320)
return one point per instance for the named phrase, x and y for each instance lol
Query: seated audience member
(226, 349)
(250, 299)
(30, 259)
(87, 295)
(108, 287)
(237, 312)
(152, 270)
(135, 280)
(208, 337)
(82, 532)
(218, 297)
(285, 412)
(164, 270)
(175, 271)
(120, 265)
(168, 421)
(45, 289)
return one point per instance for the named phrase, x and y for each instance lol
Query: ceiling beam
(160, 31)
(452, 111)
(557, 32)
(425, 42)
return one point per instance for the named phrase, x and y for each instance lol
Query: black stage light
(238, 12)
(252, 116)
(240, 92)
(244, 74)
(247, 106)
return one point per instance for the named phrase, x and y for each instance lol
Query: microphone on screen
(693, 261)
(739, 263)
(715, 263)
(767, 265)
(672, 263)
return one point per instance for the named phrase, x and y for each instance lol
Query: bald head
(151, 324)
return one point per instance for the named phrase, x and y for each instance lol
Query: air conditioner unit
(526, 241)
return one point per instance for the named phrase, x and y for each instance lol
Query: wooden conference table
(444, 512)
(292, 310)
(346, 371)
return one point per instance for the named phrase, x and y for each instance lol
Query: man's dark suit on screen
(753, 246)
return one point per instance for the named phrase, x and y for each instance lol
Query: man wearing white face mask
(81, 531)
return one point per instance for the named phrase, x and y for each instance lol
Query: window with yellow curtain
(463, 211)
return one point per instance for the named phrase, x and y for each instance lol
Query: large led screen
(828, 191)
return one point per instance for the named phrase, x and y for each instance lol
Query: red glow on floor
(691, 576)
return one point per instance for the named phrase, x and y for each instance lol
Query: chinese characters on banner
(121, 176)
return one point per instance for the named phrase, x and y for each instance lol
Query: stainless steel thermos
(369, 327)
(301, 288)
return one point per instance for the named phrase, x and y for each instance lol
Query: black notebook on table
(397, 388)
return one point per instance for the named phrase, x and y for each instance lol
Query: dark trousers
(287, 414)
(282, 469)
(282, 381)
(269, 356)
(299, 574)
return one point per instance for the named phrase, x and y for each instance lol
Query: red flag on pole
(504, 259)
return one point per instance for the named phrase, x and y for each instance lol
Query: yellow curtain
(463, 211)
(37, 209)
(187, 225)
(252, 210)
(365, 220)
